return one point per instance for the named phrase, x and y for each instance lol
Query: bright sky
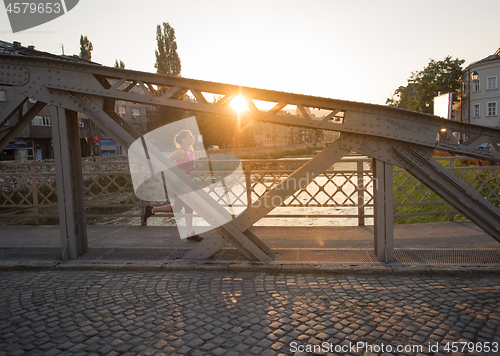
(359, 50)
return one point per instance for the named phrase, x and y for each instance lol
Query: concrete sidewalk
(427, 244)
(454, 234)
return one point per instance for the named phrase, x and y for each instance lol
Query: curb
(251, 267)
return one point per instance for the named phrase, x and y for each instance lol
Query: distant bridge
(389, 135)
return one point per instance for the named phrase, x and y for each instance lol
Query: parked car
(485, 146)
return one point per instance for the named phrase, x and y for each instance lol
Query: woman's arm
(179, 154)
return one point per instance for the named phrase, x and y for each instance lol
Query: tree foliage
(119, 64)
(168, 63)
(423, 86)
(86, 48)
(167, 59)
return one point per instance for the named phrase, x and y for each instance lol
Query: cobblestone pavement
(124, 312)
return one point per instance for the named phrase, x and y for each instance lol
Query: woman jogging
(184, 159)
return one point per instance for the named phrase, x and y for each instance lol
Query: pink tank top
(186, 164)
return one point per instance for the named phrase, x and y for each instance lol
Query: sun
(239, 104)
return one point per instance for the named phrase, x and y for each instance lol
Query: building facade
(34, 142)
(480, 93)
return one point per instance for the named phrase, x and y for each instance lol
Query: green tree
(168, 63)
(119, 64)
(86, 48)
(167, 59)
(423, 86)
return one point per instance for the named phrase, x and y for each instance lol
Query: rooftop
(492, 57)
(15, 48)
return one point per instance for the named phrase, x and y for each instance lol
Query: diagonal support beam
(16, 105)
(466, 200)
(299, 179)
(21, 123)
(417, 159)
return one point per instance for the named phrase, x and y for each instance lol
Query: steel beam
(444, 183)
(299, 179)
(15, 105)
(368, 119)
(419, 162)
(296, 181)
(70, 196)
(21, 124)
(383, 220)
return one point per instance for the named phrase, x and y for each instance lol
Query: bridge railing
(28, 192)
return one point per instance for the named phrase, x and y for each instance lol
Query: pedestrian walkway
(448, 243)
(123, 312)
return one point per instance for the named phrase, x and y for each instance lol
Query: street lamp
(474, 75)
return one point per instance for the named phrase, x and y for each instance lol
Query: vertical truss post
(34, 194)
(361, 193)
(248, 181)
(70, 198)
(383, 229)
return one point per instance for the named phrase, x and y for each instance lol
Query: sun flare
(239, 104)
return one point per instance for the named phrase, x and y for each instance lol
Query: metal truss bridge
(389, 135)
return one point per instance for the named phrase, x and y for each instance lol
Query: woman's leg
(188, 213)
(162, 209)
(189, 222)
(150, 211)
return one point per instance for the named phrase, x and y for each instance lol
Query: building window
(3, 95)
(122, 110)
(491, 109)
(476, 86)
(477, 111)
(491, 83)
(136, 112)
(41, 121)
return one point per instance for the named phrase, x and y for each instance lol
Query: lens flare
(239, 104)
